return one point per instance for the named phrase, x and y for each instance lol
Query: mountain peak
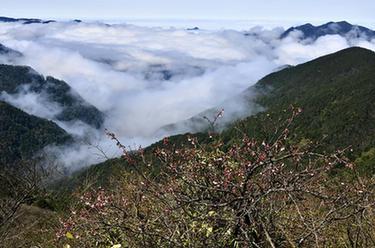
(342, 28)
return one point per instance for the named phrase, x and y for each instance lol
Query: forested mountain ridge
(23, 79)
(22, 135)
(337, 96)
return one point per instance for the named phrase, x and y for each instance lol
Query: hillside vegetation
(336, 94)
(22, 135)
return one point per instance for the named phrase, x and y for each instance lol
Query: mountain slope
(342, 28)
(21, 135)
(22, 79)
(9, 52)
(336, 93)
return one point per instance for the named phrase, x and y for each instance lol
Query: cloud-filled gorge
(144, 78)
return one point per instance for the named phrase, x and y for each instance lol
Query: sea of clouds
(143, 78)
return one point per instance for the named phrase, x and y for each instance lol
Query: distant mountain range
(25, 20)
(29, 20)
(342, 28)
(307, 30)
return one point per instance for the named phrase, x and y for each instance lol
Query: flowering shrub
(252, 194)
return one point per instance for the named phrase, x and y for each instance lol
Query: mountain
(9, 52)
(22, 135)
(24, 20)
(193, 29)
(22, 79)
(336, 93)
(342, 28)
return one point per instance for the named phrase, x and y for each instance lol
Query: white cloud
(291, 52)
(32, 103)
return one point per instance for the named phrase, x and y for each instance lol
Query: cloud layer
(144, 78)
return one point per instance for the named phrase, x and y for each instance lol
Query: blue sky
(360, 11)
